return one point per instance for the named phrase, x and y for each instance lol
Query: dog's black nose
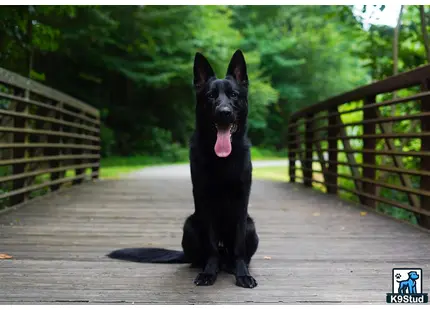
(225, 112)
(224, 115)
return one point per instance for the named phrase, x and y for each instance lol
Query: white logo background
(404, 276)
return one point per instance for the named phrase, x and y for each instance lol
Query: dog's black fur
(219, 234)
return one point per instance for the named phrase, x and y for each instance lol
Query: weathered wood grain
(321, 249)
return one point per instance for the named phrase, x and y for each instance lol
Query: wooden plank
(49, 120)
(48, 133)
(12, 177)
(377, 152)
(59, 243)
(382, 168)
(45, 158)
(49, 145)
(396, 135)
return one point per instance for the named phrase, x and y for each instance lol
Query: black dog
(219, 234)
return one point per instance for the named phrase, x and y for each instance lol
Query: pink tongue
(223, 144)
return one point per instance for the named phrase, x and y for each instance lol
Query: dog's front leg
(411, 288)
(243, 277)
(210, 272)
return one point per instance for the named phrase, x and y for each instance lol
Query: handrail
(390, 84)
(44, 136)
(386, 162)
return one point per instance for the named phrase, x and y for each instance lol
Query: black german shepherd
(219, 235)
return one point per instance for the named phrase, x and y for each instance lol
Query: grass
(280, 173)
(117, 166)
(275, 173)
(264, 154)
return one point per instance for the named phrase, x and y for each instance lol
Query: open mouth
(223, 140)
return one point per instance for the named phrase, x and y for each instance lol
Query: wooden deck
(321, 249)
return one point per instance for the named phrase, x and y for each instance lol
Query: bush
(107, 140)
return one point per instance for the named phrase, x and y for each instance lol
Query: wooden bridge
(330, 239)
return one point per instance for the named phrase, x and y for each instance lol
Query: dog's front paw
(246, 281)
(205, 279)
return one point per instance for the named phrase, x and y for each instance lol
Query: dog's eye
(233, 94)
(211, 95)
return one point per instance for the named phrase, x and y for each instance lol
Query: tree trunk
(29, 46)
(424, 31)
(396, 43)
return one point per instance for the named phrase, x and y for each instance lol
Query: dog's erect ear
(202, 71)
(237, 68)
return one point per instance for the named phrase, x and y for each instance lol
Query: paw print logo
(398, 276)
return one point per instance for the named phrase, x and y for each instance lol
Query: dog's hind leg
(251, 240)
(192, 243)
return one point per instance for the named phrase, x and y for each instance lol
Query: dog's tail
(149, 255)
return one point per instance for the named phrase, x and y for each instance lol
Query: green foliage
(135, 63)
(303, 64)
(107, 137)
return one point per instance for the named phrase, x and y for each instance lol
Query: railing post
(307, 163)
(56, 151)
(331, 178)
(19, 137)
(424, 220)
(79, 171)
(292, 145)
(95, 171)
(369, 158)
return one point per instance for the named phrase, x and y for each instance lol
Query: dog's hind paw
(205, 279)
(246, 281)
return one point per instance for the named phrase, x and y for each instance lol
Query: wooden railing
(47, 139)
(371, 145)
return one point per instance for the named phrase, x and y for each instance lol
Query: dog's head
(222, 104)
(413, 275)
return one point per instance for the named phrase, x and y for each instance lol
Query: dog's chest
(226, 170)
